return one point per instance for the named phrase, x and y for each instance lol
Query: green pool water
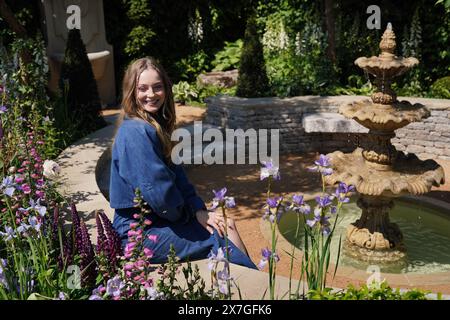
(426, 232)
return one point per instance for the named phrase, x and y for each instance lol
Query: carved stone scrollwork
(374, 231)
(379, 149)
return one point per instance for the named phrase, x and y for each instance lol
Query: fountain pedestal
(377, 170)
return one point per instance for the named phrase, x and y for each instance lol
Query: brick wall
(428, 139)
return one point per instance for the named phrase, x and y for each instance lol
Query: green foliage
(83, 101)
(190, 67)
(137, 41)
(252, 81)
(295, 48)
(26, 98)
(441, 88)
(381, 291)
(168, 284)
(183, 91)
(228, 58)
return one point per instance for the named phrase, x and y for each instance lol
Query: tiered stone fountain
(377, 170)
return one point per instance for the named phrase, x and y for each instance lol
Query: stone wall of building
(428, 139)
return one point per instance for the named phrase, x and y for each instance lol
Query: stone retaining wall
(428, 139)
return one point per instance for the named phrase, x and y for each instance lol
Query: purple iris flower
(269, 170)
(342, 190)
(215, 259)
(35, 205)
(7, 186)
(322, 165)
(219, 195)
(322, 220)
(323, 161)
(299, 204)
(114, 286)
(266, 255)
(221, 200)
(8, 234)
(323, 201)
(273, 202)
(34, 223)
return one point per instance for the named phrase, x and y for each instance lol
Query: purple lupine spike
(101, 238)
(55, 225)
(88, 265)
(114, 243)
(76, 230)
(67, 250)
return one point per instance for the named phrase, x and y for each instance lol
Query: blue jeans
(191, 240)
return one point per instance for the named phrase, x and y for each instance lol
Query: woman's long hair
(164, 119)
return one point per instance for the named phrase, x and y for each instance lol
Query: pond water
(426, 232)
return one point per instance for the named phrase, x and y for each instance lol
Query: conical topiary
(77, 80)
(252, 81)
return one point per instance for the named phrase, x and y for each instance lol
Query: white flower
(51, 169)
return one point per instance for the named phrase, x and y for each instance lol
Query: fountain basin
(426, 227)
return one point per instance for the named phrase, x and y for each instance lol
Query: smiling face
(150, 92)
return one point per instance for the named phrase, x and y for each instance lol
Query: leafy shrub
(82, 95)
(252, 81)
(441, 88)
(228, 58)
(189, 68)
(381, 291)
(183, 91)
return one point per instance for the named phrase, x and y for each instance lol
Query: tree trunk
(329, 22)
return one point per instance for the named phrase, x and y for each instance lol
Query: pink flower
(148, 252)
(134, 225)
(40, 193)
(147, 222)
(26, 188)
(153, 237)
(19, 179)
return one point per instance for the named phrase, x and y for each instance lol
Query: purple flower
(34, 223)
(266, 255)
(114, 287)
(221, 200)
(299, 205)
(323, 201)
(273, 202)
(342, 191)
(219, 195)
(229, 202)
(323, 161)
(153, 294)
(36, 206)
(322, 220)
(61, 296)
(3, 109)
(3, 281)
(9, 233)
(269, 170)
(322, 165)
(215, 259)
(97, 293)
(7, 186)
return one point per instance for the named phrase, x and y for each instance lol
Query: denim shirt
(137, 162)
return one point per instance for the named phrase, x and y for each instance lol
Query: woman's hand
(210, 220)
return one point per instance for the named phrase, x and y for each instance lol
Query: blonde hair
(131, 107)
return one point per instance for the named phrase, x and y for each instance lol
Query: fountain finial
(387, 44)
